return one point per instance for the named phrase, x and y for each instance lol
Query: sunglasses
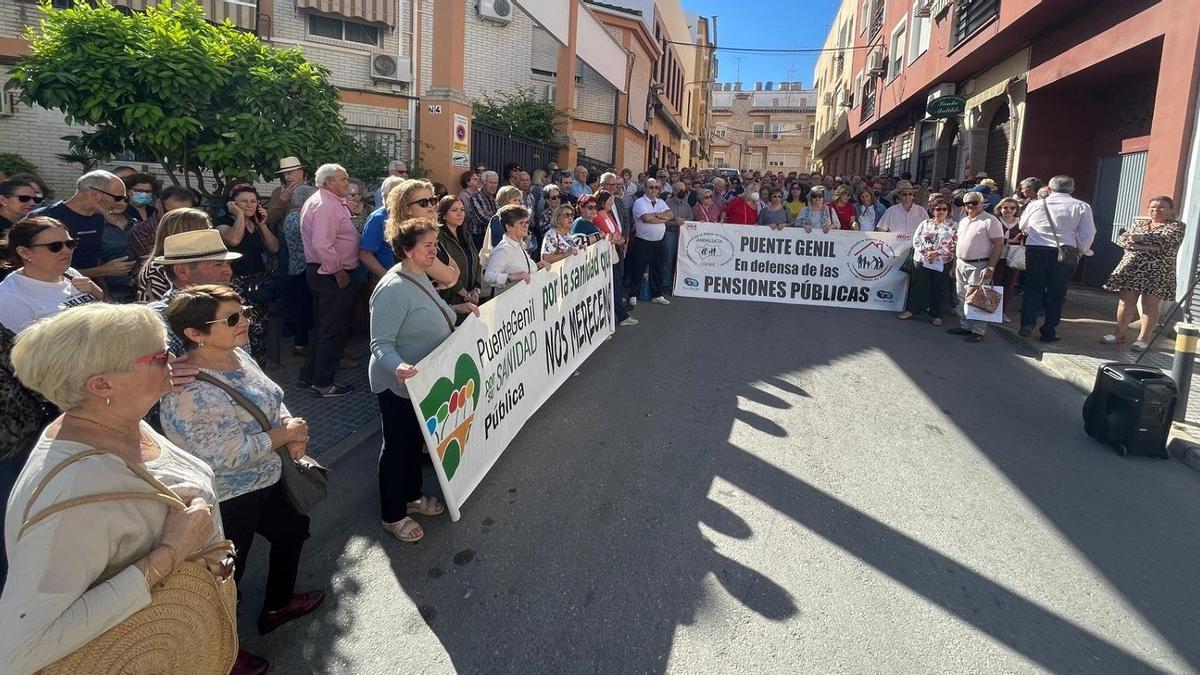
(906, 194)
(25, 199)
(554, 197)
(157, 359)
(57, 246)
(424, 203)
(972, 203)
(119, 198)
(233, 319)
(940, 208)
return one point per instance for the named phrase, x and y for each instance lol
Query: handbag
(305, 481)
(190, 625)
(1067, 255)
(1014, 256)
(984, 298)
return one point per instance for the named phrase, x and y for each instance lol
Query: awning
(988, 94)
(374, 11)
(593, 44)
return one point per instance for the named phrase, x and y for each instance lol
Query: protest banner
(746, 262)
(479, 387)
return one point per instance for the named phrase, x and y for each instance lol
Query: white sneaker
(633, 301)
(660, 300)
(629, 321)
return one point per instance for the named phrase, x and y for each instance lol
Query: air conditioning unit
(876, 63)
(499, 12)
(389, 68)
(7, 103)
(872, 140)
(550, 92)
(827, 98)
(923, 9)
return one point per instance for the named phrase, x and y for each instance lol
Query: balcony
(970, 16)
(868, 100)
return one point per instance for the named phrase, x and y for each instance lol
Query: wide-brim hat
(195, 246)
(289, 164)
(904, 186)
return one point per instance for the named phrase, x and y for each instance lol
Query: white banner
(750, 262)
(478, 388)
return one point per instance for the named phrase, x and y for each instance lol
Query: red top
(739, 212)
(608, 225)
(845, 214)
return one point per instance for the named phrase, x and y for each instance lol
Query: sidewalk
(336, 425)
(1089, 314)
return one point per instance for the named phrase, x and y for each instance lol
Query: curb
(1183, 443)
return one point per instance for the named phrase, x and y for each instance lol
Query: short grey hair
(484, 176)
(388, 185)
(327, 171)
(100, 337)
(549, 189)
(1062, 184)
(99, 179)
(717, 180)
(300, 194)
(979, 195)
(608, 177)
(1032, 182)
(397, 162)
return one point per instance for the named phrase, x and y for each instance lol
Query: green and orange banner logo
(449, 411)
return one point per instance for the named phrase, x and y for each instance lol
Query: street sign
(435, 110)
(946, 106)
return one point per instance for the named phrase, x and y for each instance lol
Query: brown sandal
(406, 530)
(426, 506)
(905, 315)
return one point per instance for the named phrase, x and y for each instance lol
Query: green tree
(12, 164)
(519, 112)
(208, 102)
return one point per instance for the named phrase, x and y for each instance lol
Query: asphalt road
(768, 488)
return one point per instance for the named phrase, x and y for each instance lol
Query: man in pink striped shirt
(331, 253)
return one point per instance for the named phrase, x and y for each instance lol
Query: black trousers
(926, 291)
(400, 457)
(1046, 282)
(331, 311)
(647, 254)
(267, 512)
(299, 305)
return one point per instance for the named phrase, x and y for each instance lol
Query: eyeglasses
(25, 199)
(941, 208)
(352, 194)
(906, 194)
(424, 203)
(233, 319)
(554, 197)
(652, 187)
(1008, 207)
(119, 198)
(57, 246)
(157, 359)
(972, 203)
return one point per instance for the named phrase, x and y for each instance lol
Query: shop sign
(946, 106)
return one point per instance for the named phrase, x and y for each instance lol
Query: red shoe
(249, 664)
(301, 604)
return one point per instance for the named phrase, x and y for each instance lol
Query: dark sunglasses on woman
(57, 246)
(25, 199)
(424, 203)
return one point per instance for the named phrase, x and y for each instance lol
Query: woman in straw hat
(79, 572)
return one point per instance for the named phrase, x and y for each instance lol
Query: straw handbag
(190, 625)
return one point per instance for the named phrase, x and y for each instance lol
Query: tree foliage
(203, 100)
(519, 112)
(12, 164)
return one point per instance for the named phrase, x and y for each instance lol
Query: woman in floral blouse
(933, 249)
(205, 420)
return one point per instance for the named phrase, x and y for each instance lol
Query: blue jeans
(670, 243)
(619, 295)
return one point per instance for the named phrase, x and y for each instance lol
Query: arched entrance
(999, 142)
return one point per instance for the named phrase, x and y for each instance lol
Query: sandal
(406, 530)
(905, 315)
(936, 321)
(1138, 346)
(1111, 339)
(426, 506)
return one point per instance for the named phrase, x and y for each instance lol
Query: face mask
(142, 198)
(754, 196)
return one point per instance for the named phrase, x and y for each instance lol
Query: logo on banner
(449, 410)
(871, 259)
(885, 294)
(710, 250)
(691, 283)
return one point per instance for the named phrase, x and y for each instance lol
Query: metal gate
(1000, 134)
(494, 149)
(1117, 201)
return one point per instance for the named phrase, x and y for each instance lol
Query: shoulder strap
(238, 398)
(449, 321)
(161, 493)
(1053, 227)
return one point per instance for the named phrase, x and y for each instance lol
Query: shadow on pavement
(586, 548)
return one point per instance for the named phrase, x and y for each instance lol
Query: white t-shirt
(24, 300)
(649, 231)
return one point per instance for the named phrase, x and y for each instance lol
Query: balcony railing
(970, 16)
(868, 100)
(877, 19)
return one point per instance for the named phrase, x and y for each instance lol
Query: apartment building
(769, 128)
(833, 151)
(1103, 90)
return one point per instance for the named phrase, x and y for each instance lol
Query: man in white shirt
(650, 217)
(1045, 277)
(979, 243)
(903, 217)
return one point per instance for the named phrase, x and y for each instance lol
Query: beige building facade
(768, 128)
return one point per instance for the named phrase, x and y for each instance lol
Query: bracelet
(150, 568)
(172, 553)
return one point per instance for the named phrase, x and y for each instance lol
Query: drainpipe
(414, 102)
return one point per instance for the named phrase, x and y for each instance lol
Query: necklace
(141, 437)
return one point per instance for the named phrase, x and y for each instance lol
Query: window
(776, 131)
(970, 16)
(340, 29)
(858, 86)
(719, 158)
(864, 16)
(720, 132)
(876, 17)
(918, 40)
(760, 130)
(896, 47)
(868, 98)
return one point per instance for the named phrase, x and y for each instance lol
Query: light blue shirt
(406, 325)
(580, 189)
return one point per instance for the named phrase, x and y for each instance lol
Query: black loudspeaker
(1131, 408)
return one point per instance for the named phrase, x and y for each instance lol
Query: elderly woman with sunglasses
(933, 250)
(205, 420)
(77, 572)
(43, 283)
(551, 200)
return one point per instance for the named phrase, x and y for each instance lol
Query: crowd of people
(132, 338)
